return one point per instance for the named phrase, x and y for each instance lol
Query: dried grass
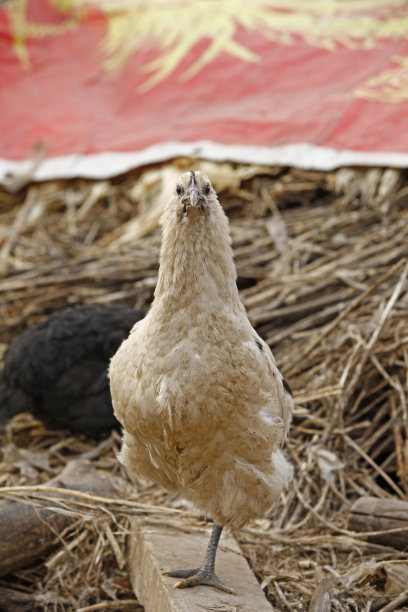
(322, 270)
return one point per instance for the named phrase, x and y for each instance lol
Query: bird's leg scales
(204, 575)
(182, 573)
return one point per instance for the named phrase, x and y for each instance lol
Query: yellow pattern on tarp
(391, 85)
(173, 28)
(22, 29)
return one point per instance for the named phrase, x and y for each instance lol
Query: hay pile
(322, 270)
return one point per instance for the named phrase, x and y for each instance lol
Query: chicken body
(204, 408)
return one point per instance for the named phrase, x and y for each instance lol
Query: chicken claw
(198, 576)
(205, 574)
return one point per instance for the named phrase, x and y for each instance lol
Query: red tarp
(304, 82)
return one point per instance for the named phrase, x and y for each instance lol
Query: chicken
(57, 369)
(203, 405)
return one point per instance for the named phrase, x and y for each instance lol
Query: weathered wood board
(373, 514)
(156, 547)
(28, 531)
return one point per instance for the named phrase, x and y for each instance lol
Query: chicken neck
(196, 262)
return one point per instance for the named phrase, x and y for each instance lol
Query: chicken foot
(204, 575)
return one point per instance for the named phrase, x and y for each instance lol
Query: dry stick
(120, 559)
(305, 308)
(16, 228)
(324, 332)
(358, 369)
(148, 508)
(402, 467)
(374, 432)
(325, 522)
(387, 439)
(370, 534)
(321, 597)
(372, 488)
(112, 605)
(305, 323)
(346, 538)
(38, 490)
(393, 605)
(384, 373)
(295, 526)
(323, 392)
(404, 409)
(316, 508)
(405, 412)
(374, 336)
(373, 464)
(299, 507)
(398, 444)
(389, 460)
(353, 538)
(52, 561)
(281, 596)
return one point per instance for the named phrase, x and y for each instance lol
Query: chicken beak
(193, 190)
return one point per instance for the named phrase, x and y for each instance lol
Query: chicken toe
(204, 575)
(199, 576)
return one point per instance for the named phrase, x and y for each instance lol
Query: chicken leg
(205, 574)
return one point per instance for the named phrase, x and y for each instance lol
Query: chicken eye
(206, 190)
(179, 190)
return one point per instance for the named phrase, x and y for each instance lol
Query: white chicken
(203, 405)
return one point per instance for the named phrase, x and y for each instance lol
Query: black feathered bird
(57, 369)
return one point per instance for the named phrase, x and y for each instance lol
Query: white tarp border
(109, 164)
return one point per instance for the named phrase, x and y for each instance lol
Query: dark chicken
(57, 369)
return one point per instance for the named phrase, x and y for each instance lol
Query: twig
(374, 465)
(112, 605)
(323, 333)
(374, 336)
(398, 601)
(321, 597)
(39, 491)
(16, 229)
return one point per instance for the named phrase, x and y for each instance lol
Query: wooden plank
(382, 515)
(156, 547)
(28, 531)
